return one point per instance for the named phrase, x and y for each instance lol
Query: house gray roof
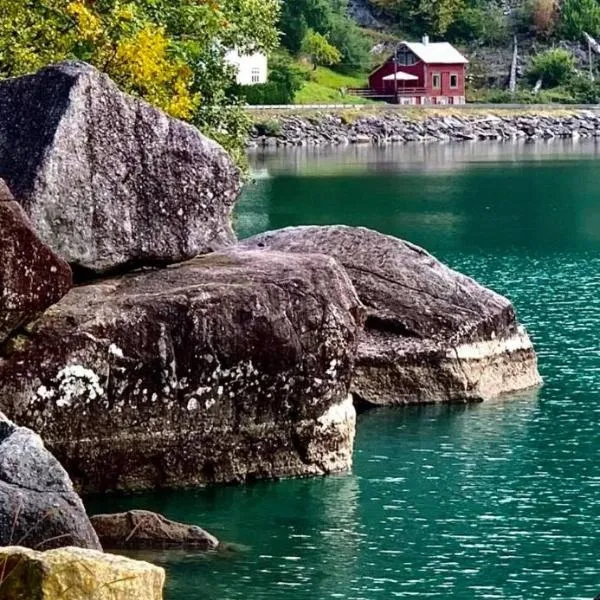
(436, 52)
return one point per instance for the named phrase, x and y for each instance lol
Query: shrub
(554, 96)
(577, 16)
(271, 128)
(583, 90)
(537, 17)
(554, 67)
(285, 79)
(543, 15)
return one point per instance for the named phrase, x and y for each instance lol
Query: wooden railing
(367, 93)
(402, 91)
(411, 91)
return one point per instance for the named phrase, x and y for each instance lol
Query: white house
(251, 68)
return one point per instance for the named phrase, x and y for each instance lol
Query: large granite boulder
(145, 530)
(76, 574)
(38, 505)
(432, 334)
(107, 180)
(32, 277)
(230, 367)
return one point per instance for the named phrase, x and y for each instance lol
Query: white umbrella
(400, 76)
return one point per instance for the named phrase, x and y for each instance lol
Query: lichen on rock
(225, 368)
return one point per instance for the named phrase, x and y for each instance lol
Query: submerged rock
(77, 574)
(38, 505)
(32, 277)
(107, 180)
(144, 530)
(230, 367)
(432, 334)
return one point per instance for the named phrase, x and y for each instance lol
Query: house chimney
(425, 40)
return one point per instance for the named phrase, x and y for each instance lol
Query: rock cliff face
(77, 574)
(432, 334)
(32, 277)
(230, 367)
(107, 180)
(38, 506)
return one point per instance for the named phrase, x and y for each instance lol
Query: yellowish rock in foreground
(76, 574)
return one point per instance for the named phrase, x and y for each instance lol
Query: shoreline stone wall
(400, 127)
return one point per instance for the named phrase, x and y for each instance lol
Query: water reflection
(358, 159)
(489, 197)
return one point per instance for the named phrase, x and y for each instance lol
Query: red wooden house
(421, 73)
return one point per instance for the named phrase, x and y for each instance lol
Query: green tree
(298, 16)
(424, 16)
(354, 47)
(320, 51)
(330, 19)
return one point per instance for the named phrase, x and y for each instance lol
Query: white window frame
(255, 75)
(455, 77)
(437, 76)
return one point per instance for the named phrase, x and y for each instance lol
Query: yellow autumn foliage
(89, 25)
(142, 64)
(139, 59)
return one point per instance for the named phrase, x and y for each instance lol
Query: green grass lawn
(324, 85)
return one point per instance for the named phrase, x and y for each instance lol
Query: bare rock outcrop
(145, 530)
(432, 334)
(32, 277)
(38, 505)
(227, 368)
(107, 180)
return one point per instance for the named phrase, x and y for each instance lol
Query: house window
(405, 57)
(453, 81)
(255, 75)
(436, 81)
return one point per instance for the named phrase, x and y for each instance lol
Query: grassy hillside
(324, 86)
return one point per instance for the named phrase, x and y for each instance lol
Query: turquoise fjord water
(499, 500)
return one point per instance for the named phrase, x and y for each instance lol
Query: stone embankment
(398, 127)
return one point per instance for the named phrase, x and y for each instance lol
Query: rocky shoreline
(144, 347)
(399, 127)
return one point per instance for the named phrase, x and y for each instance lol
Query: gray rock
(38, 506)
(432, 334)
(108, 180)
(144, 530)
(228, 368)
(32, 277)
